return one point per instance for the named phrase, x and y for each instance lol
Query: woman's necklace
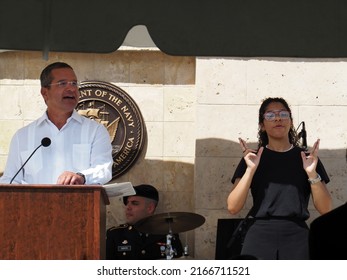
(291, 147)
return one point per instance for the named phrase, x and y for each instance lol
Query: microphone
(304, 136)
(45, 142)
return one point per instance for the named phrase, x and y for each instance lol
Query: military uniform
(125, 242)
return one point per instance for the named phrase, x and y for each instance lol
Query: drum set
(169, 224)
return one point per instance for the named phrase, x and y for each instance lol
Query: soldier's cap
(143, 190)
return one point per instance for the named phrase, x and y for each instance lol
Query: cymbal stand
(186, 248)
(169, 250)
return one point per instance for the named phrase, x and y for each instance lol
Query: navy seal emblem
(118, 112)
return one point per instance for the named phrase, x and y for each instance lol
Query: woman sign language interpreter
(281, 177)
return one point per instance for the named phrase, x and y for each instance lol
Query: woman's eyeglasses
(271, 115)
(64, 84)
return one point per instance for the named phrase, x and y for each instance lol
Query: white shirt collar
(76, 116)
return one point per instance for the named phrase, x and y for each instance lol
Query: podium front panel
(54, 223)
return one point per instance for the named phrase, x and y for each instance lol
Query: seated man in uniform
(125, 242)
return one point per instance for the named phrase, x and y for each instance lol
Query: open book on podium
(55, 222)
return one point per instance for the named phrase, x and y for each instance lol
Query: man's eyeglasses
(271, 115)
(64, 84)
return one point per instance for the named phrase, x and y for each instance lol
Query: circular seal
(117, 111)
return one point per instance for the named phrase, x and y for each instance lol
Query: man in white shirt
(80, 151)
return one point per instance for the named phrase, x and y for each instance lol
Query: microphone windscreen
(45, 142)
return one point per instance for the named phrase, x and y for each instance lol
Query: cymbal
(174, 222)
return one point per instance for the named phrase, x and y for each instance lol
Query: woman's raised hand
(310, 161)
(251, 156)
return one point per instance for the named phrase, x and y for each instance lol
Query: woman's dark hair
(46, 74)
(263, 139)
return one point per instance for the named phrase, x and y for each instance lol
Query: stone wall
(194, 109)
(229, 92)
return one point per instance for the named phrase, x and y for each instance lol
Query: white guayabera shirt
(81, 145)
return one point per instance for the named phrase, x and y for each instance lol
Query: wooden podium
(52, 222)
